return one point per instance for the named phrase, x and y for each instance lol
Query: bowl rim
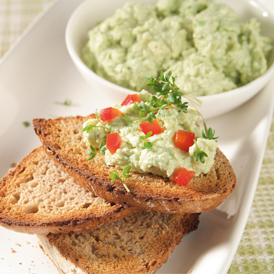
(81, 65)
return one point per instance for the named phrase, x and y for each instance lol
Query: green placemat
(255, 253)
(15, 16)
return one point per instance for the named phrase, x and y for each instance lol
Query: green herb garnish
(92, 152)
(199, 154)
(67, 102)
(209, 134)
(170, 96)
(97, 115)
(26, 123)
(147, 145)
(147, 136)
(127, 119)
(115, 176)
(169, 92)
(88, 128)
(102, 148)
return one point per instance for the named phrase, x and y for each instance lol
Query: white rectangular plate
(38, 73)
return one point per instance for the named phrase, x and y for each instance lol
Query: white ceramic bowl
(91, 11)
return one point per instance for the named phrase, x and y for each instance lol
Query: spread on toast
(155, 133)
(63, 140)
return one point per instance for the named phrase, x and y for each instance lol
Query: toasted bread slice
(140, 243)
(63, 140)
(39, 197)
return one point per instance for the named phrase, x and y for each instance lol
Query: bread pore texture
(40, 197)
(140, 243)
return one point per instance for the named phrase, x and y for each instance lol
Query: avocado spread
(161, 157)
(201, 41)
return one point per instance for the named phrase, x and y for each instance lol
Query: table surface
(255, 253)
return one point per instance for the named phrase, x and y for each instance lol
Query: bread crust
(14, 215)
(147, 191)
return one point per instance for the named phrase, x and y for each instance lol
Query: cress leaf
(168, 74)
(162, 76)
(125, 171)
(26, 124)
(200, 156)
(209, 134)
(67, 102)
(92, 148)
(127, 119)
(150, 118)
(171, 99)
(91, 157)
(148, 145)
(102, 148)
(162, 112)
(148, 134)
(115, 176)
(165, 86)
(88, 128)
(97, 115)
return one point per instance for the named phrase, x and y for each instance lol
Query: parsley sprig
(115, 176)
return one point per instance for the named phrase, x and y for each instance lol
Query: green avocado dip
(201, 41)
(156, 153)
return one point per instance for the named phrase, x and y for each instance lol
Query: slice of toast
(63, 141)
(39, 197)
(140, 243)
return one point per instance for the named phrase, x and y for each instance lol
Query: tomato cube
(114, 142)
(155, 127)
(131, 99)
(108, 114)
(183, 140)
(183, 176)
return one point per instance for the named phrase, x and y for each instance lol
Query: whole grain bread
(140, 243)
(37, 196)
(63, 141)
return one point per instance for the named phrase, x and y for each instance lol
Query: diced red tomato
(131, 99)
(183, 140)
(155, 127)
(114, 142)
(108, 114)
(183, 176)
